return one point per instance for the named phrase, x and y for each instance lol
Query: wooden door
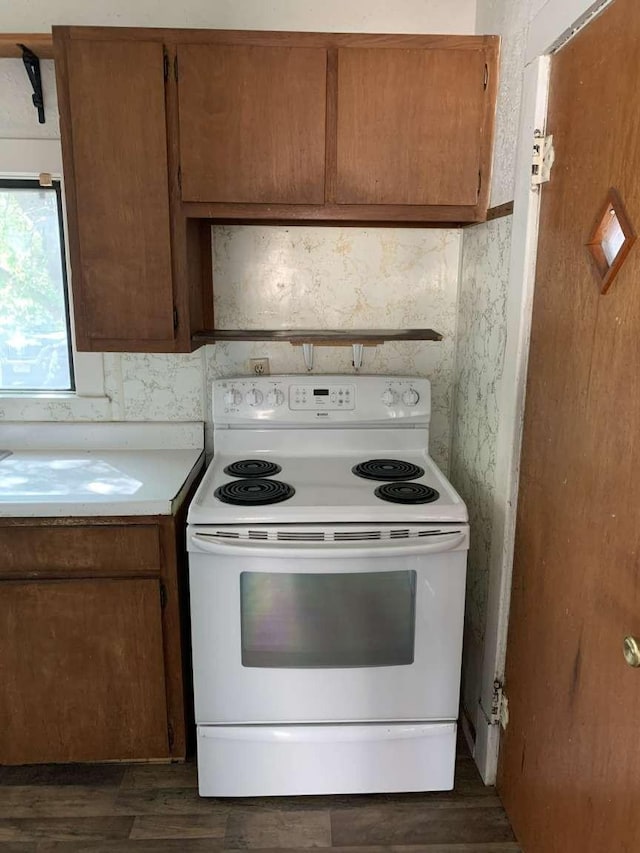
(82, 672)
(570, 758)
(252, 123)
(113, 125)
(410, 126)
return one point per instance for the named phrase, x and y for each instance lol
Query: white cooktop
(326, 490)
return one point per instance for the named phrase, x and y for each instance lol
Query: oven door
(300, 632)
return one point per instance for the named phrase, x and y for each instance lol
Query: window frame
(7, 183)
(27, 159)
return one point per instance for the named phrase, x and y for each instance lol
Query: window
(610, 241)
(35, 336)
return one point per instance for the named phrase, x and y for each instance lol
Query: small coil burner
(254, 492)
(407, 493)
(388, 469)
(252, 468)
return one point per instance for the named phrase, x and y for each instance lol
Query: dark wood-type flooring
(144, 808)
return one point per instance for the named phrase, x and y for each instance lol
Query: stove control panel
(304, 400)
(321, 396)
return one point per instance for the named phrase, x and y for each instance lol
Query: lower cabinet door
(81, 671)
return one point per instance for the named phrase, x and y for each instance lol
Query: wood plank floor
(156, 809)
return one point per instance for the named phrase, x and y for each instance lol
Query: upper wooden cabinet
(336, 127)
(116, 184)
(164, 131)
(252, 123)
(132, 280)
(410, 125)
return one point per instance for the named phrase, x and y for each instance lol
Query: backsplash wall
(342, 278)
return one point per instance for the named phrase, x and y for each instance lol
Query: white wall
(401, 16)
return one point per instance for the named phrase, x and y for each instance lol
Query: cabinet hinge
(170, 735)
(165, 62)
(542, 160)
(499, 705)
(175, 68)
(180, 177)
(486, 75)
(163, 596)
(175, 318)
(479, 182)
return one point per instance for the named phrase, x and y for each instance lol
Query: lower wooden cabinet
(93, 655)
(83, 671)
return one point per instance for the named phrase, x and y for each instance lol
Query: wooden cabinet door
(82, 672)
(410, 125)
(114, 136)
(252, 123)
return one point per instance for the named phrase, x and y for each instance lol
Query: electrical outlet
(259, 366)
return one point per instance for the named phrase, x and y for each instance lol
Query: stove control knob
(389, 397)
(275, 398)
(254, 397)
(410, 397)
(233, 397)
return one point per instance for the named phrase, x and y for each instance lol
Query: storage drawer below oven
(252, 761)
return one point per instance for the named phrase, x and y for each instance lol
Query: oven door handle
(209, 543)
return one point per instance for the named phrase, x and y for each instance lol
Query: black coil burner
(407, 493)
(387, 469)
(254, 492)
(252, 468)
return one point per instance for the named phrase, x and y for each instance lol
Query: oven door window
(328, 620)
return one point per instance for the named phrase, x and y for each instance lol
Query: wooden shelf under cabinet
(326, 337)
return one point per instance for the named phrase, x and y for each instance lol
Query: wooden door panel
(409, 126)
(114, 133)
(570, 754)
(252, 123)
(82, 671)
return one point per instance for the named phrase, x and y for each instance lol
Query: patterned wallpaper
(342, 278)
(479, 361)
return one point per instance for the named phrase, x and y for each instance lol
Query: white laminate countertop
(97, 469)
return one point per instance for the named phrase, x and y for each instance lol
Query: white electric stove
(327, 559)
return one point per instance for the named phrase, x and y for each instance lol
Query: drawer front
(79, 551)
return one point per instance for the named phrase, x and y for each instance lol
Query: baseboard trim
(485, 749)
